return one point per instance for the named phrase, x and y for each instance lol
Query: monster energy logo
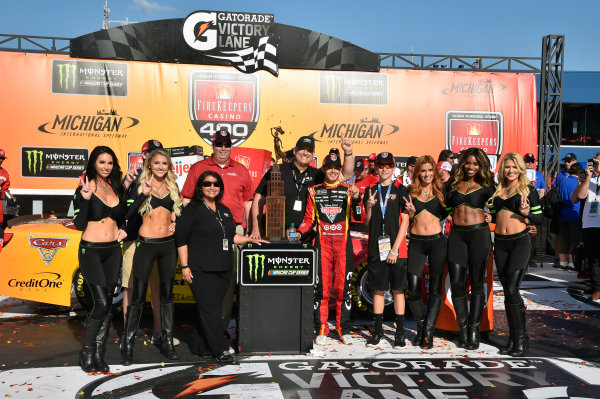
(34, 161)
(66, 73)
(253, 264)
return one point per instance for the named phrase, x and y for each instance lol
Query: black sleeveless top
(433, 206)
(94, 210)
(475, 199)
(513, 204)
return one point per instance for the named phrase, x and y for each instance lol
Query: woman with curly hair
(514, 205)
(99, 209)
(469, 243)
(156, 198)
(426, 208)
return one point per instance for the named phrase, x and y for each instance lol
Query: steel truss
(459, 62)
(35, 44)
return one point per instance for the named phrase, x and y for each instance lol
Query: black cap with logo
(152, 145)
(385, 158)
(360, 165)
(529, 158)
(411, 161)
(306, 141)
(570, 157)
(332, 159)
(221, 136)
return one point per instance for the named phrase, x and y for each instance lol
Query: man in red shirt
(362, 180)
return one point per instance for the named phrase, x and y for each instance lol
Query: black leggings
(511, 253)
(469, 249)
(147, 251)
(420, 247)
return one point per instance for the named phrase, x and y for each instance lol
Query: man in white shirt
(588, 189)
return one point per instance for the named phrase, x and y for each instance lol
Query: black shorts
(384, 276)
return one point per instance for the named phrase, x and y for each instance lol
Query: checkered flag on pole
(251, 59)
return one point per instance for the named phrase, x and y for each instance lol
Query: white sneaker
(231, 351)
(320, 340)
(346, 339)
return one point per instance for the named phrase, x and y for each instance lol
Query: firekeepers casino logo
(224, 100)
(103, 123)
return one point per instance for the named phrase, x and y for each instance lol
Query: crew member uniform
(356, 223)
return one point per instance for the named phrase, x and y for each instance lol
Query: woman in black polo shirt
(205, 236)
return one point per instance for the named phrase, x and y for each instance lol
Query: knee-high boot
(86, 355)
(476, 312)
(434, 304)
(101, 339)
(462, 315)
(166, 315)
(521, 340)
(505, 350)
(134, 314)
(417, 308)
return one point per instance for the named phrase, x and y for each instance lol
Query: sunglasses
(451, 157)
(221, 145)
(207, 183)
(385, 166)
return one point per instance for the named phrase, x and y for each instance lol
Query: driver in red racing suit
(329, 205)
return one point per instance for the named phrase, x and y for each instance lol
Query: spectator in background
(444, 171)
(4, 194)
(570, 229)
(570, 159)
(446, 156)
(407, 176)
(588, 189)
(535, 176)
(362, 180)
(372, 167)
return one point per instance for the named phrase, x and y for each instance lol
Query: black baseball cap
(152, 145)
(360, 165)
(570, 157)
(385, 158)
(411, 160)
(529, 157)
(221, 135)
(335, 151)
(332, 159)
(306, 141)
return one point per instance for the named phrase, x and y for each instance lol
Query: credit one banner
(406, 112)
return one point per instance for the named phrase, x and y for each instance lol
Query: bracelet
(348, 155)
(185, 266)
(392, 252)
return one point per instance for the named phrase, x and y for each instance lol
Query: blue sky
(499, 28)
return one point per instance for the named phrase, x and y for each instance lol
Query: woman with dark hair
(426, 208)
(156, 198)
(99, 209)
(446, 156)
(514, 205)
(204, 238)
(469, 243)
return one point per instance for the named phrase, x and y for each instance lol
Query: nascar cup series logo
(48, 246)
(224, 100)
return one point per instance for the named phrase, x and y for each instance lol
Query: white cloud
(148, 7)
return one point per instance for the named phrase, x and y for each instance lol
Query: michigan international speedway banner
(55, 109)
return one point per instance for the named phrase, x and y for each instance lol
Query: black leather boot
(86, 355)
(506, 349)
(521, 340)
(101, 339)
(417, 308)
(134, 314)
(474, 335)
(434, 304)
(462, 315)
(166, 315)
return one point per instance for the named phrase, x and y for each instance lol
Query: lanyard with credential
(217, 216)
(383, 204)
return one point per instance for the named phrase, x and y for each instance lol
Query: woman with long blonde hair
(426, 208)
(470, 242)
(157, 199)
(514, 205)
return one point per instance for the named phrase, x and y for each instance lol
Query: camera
(592, 162)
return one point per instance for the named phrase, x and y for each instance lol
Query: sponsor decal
(224, 100)
(277, 267)
(332, 227)
(108, 124)
(355, 378)
(353, 88)
(254, 261)
(97, 78)
(240, 38)
(47, 246)
(331, 212)
(365, 131)
(480, 129)
(53, 162)
(244, 160)
(37, 281)
(483, 86)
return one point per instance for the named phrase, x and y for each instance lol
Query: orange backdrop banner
(56, 109)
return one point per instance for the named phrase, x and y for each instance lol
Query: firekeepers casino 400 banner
(56, 109)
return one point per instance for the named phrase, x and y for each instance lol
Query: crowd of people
(434, 212)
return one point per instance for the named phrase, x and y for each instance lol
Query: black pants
(148, 250)
(209, 289)
(432, 247)
(469, 249)
(511, 253)
(591, 246)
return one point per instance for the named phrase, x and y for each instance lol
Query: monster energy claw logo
(253, 264)
(34, 161)
(66, 73)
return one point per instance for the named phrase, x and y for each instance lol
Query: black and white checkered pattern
(250, 59)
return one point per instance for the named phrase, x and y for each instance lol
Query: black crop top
(432, 206)
(135, 200)
(475, 199)
(513, 204)
(94, 210)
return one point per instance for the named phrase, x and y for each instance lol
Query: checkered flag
(251, 59)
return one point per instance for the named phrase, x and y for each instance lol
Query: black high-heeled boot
(476, 312)
(101, 339)
(462, 315)
(521, 340)
(417, 308)
(166, 314)
(134, 314)
(434, 304)
(506, 349)
(86, 355)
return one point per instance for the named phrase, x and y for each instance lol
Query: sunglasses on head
(207, 183)
(386, 166)
(220, 145)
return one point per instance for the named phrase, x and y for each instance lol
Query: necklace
(158, 189)
(509, 189)
(426, 194)
(105, 188)
(468, 184)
